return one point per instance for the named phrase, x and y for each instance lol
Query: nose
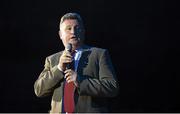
(73, 31)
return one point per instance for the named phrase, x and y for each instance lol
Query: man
(93, 76)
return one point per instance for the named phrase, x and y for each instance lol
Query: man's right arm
(48, 79)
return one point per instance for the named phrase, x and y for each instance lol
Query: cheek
(64, 37)
(64, 34)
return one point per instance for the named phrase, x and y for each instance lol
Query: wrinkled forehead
(70, 23)
(71, 16)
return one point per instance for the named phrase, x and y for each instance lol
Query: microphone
(69, 49)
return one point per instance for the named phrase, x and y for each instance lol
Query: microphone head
(69, 47)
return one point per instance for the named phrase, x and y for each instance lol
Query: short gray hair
(75, 16)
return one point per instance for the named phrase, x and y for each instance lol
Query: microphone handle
(68, 66)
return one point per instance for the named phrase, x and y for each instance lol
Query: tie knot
(73, 53)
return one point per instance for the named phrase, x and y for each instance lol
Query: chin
(74, 42)
(75, 45)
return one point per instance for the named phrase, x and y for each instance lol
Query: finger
(66, 60)
(69, 81)
(68, 78)
(67, 71)
(67, 53)
(66, 56)
(66, 75)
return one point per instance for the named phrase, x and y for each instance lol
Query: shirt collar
(79, 49)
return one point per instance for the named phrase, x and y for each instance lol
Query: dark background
(142, 37)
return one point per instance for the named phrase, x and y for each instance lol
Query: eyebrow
(71, 26)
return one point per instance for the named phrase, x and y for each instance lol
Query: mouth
(73, 37)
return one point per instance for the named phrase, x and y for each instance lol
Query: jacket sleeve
(48, 79)
(104, 86)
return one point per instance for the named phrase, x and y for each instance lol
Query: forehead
(70, 22)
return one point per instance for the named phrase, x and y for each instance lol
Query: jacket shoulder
(97, 49)
(54, 56)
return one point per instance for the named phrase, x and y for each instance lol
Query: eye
(78, 28)
(68, 28)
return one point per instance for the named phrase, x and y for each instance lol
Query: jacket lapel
(83, 62)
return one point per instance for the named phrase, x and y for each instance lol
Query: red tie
(69, 95)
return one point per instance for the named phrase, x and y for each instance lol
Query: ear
(60, 34)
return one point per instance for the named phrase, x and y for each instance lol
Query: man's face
(71, 32)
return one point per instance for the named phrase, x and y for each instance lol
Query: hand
(70, 75)
(65, 58)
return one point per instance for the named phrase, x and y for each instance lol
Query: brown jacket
(97, 81)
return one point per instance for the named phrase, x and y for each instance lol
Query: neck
(77, 47)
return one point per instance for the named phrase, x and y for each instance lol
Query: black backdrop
(141, 36)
